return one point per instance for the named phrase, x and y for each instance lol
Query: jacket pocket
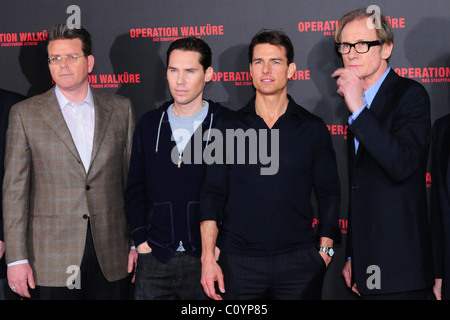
(193, 223)
(161, 224)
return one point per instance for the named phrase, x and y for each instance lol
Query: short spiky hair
(192, 44)
(274, 37)
(63, 32)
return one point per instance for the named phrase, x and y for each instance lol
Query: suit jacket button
(88, 187)
(85, 216)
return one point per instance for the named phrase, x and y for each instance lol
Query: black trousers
(290, 276)
(409, 295)
(93, 284)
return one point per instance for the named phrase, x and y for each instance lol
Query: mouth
(267, 80)
(181, 91)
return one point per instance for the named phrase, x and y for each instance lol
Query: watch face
(331, 252)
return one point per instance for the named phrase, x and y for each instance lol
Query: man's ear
(291, 69)
(208, 74)
(386, 50)
(91, 62)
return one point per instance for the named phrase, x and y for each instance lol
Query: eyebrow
(186, 69)
(270, 59)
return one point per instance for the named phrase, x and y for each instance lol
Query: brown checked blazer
(48, 194)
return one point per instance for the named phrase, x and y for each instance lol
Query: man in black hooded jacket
(165, 178)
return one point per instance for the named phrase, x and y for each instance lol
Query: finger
(21, 289)
(221, 284)
(338, 73)
(354, 289)
(31, 280)
(205, 288)
(212, 292)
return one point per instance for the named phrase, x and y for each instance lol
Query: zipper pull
(180, 246)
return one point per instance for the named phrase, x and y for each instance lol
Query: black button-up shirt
(262, 213)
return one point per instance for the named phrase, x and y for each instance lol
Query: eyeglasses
(68, 59)
(360, 47)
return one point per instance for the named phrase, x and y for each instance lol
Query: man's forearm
(209, 233)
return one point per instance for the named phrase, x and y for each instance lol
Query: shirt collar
(63, 101)
(291, 109)
(370, 93)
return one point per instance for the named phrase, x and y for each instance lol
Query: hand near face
(350, 86)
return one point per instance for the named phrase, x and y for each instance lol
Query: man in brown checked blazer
(66, 161)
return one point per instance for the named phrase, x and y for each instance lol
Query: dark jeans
(178, 279)
(291, 276)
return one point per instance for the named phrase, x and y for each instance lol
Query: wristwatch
(328, 250)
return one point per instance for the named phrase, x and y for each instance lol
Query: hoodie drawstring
(159, 131)
(209, 130)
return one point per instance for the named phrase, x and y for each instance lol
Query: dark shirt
(267, 214)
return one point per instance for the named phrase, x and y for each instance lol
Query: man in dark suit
(7, 100)
(66, 165)
(389, 248)
(440, 205)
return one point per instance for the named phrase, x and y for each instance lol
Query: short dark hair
(274, 37)
(192, 44)
(63, 32)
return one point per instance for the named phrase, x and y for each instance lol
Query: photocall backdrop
(130, 39)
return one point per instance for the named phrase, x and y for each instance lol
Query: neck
(270, 108)
(370, 81)
(186, 110)
(76, 95)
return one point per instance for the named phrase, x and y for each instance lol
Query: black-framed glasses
(360, 47)
(69, 59)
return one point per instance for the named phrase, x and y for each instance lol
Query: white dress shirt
(80, 119)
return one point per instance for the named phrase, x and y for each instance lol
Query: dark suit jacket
(388, 221)
(440, 204)
(7, 100)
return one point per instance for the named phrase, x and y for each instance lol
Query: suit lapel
(380, 101)
(382, 95)
(52, 115)
(102, 119)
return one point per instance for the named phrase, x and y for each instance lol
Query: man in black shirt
(261, 220)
